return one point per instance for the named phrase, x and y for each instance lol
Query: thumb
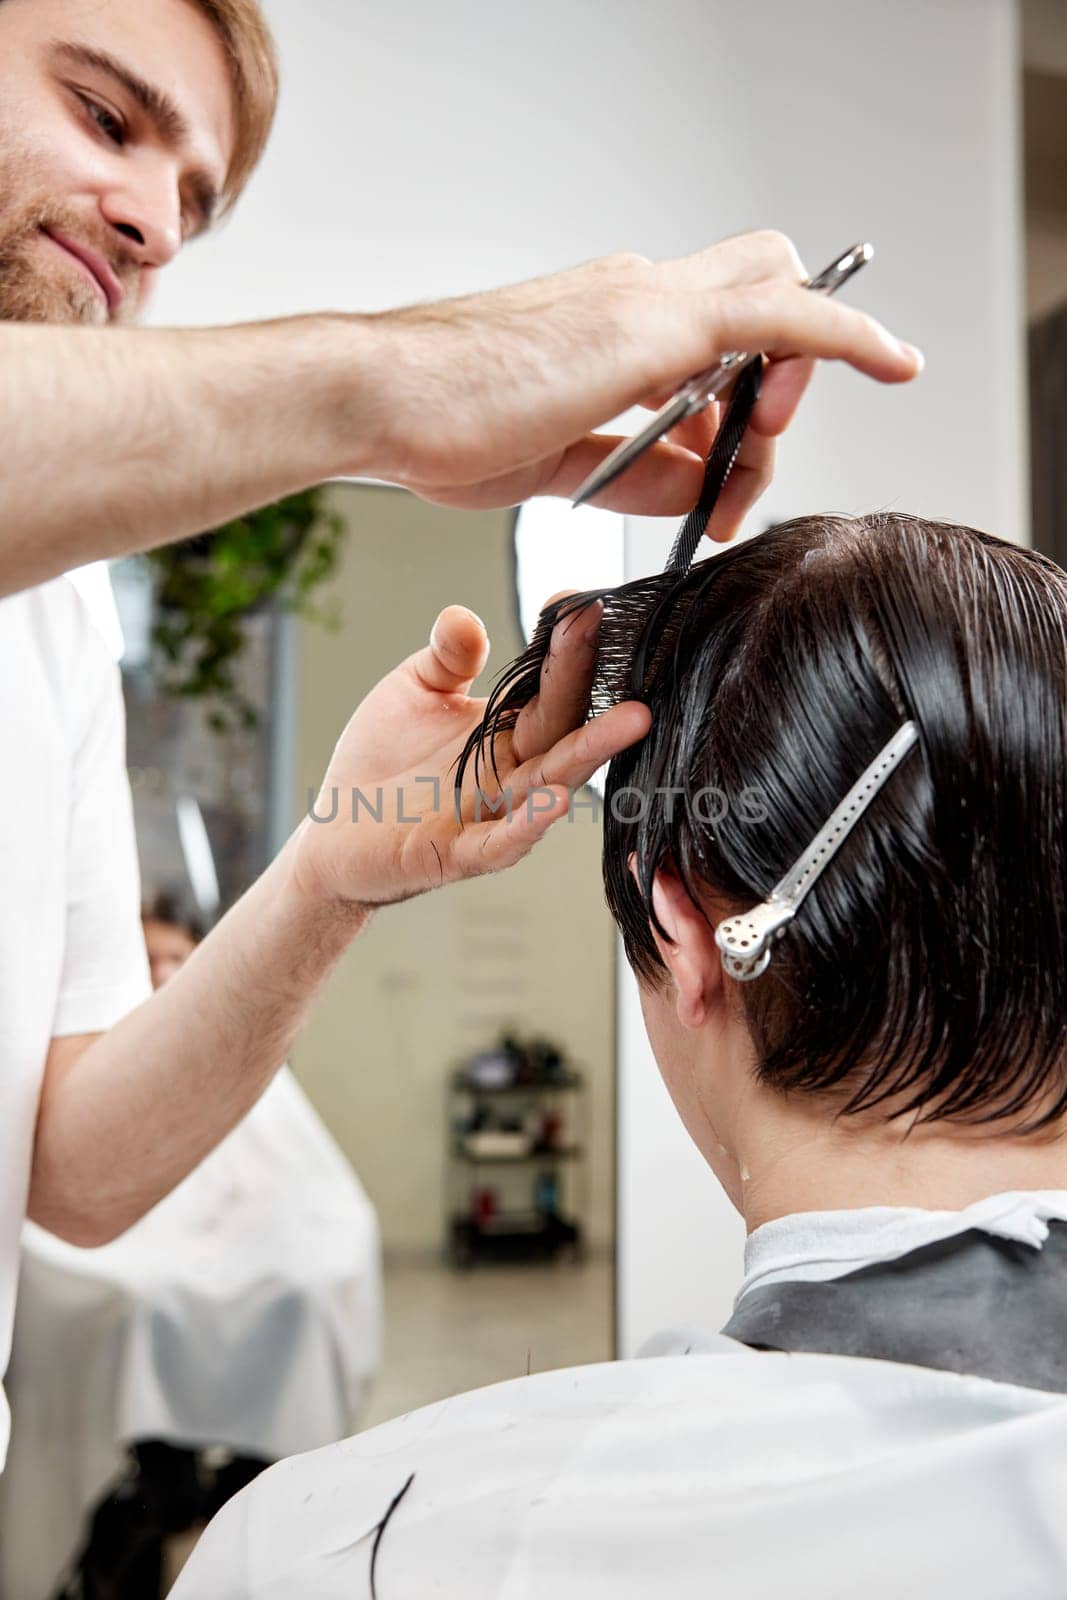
(457, 652)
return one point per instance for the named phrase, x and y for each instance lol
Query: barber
(125, 127)
(123, 130)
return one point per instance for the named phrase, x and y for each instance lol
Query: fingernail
(915, 353)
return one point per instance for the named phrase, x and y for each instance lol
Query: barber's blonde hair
(253, 61)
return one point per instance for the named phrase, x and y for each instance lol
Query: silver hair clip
(745, 940)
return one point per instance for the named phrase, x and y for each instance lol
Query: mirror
(496, 1203)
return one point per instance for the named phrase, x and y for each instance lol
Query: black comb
(719, 466)
(637, 615)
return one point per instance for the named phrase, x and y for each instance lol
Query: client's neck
(793, 1157)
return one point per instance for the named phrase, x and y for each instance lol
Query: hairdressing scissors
(699, 391)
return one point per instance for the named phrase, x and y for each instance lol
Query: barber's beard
(36, 285)
(30, 293)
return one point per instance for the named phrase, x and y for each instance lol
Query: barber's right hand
(487, 400)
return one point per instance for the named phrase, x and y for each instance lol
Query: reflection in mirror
(240, 1320)
(557, 547)
(560, 548)
(424, 1203)
(463, 1056)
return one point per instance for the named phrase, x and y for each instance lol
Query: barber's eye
(106, 121)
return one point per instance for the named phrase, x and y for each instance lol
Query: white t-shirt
(72, 957)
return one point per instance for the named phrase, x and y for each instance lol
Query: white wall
(427, 149)
(897, 123)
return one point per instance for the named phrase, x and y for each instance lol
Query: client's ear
(690, 953)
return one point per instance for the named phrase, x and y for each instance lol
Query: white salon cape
(705, 1468)
(747, 1475)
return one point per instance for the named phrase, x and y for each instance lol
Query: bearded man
(127, 127)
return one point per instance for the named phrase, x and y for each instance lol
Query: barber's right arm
(118, 440)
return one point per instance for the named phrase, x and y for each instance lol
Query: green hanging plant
(207, 587)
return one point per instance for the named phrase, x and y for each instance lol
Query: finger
(494, 845)
(664, 481)
(562, 701)
(697, 433)
(781, 391)
(573, 759)
(783, 319)
(457, 652)
(748, 478)
(746, 483)
(783, 387)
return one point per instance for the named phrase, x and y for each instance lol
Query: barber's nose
(148, 220)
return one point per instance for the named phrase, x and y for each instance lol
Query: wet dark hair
(927, 967)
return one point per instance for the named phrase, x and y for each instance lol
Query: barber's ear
(690, 953)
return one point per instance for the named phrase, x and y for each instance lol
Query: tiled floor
(447, 1331)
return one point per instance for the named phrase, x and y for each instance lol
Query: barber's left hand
(401, 746)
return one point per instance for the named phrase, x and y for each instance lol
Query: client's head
(908, 1040)
(171, 934)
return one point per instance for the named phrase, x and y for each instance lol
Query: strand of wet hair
(520, 681)
(638, 618)
(379, 1534)
(642, 622)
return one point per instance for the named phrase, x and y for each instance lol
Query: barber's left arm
(126, 1115)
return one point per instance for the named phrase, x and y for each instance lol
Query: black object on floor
(165, 1491)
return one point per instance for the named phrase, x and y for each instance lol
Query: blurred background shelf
(521, 1111)
(513, 1236)
(473, 1159)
